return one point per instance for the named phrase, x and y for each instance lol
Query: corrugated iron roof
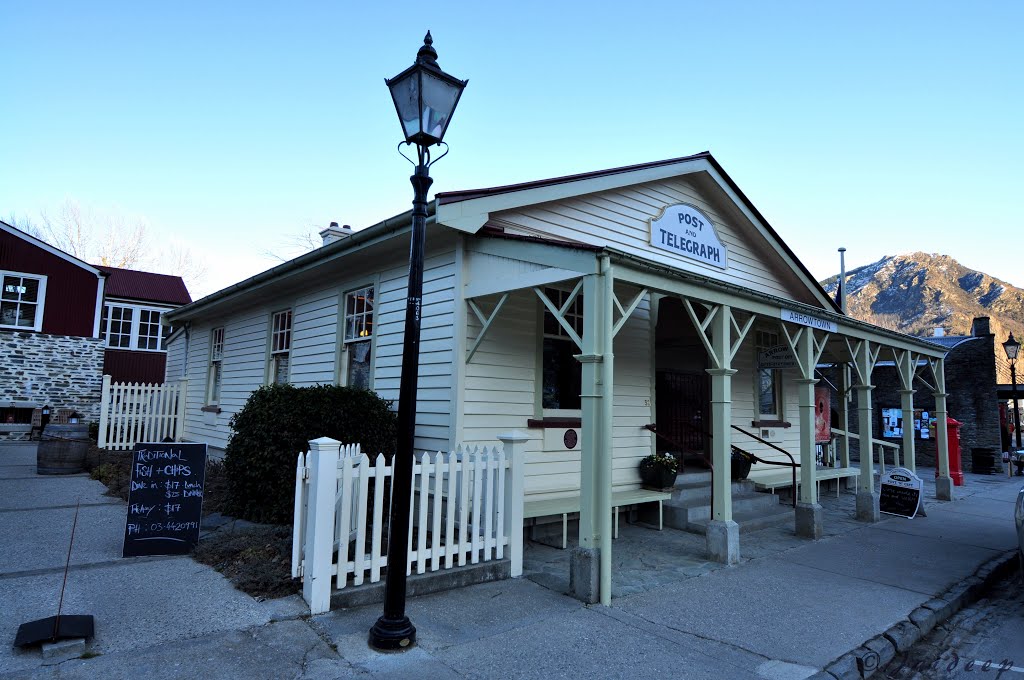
(130, 283)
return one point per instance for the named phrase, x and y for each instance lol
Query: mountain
(919, 292)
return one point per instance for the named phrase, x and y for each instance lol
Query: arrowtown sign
(686, 231)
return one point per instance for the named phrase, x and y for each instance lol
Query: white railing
(140, 412)
(466, 507)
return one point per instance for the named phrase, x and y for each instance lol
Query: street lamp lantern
(425, 98)
(1011, 347)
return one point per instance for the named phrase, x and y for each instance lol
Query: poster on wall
(822, 415)
(892, 422)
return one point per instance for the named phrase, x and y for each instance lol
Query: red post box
(953, 437)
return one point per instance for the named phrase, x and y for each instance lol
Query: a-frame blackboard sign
(899, 493)
(165, 500)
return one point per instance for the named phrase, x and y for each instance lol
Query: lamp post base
(393, 635)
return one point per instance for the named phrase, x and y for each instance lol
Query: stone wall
(60, 371)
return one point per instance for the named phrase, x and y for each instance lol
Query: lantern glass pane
(406, 93)
(439, 99)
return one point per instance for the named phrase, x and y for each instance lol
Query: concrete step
(690, 477)
(679, 514)
(688, 490)
(780, 515)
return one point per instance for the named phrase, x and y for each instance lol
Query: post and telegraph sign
(684, 230)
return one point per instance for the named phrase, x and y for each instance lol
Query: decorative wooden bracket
(625, 313)
(864, 359)
(735, 330)
(906, 366)
(559, 314)
(807, 363)
(486, 320)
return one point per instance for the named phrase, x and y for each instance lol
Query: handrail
(792, 462)
(653, 427)
(881, 454)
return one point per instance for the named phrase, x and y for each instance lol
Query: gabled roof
(137, 285)
(468, 210)
(18, 233)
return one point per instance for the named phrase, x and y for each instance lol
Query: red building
(65, 322)
(130, 326)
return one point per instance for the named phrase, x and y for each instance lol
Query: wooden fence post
(319, 552)
(179, 424)
(515, 451)
(104, 412)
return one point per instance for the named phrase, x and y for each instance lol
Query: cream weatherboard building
(579, 310)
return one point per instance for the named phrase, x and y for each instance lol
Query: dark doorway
(682, 385)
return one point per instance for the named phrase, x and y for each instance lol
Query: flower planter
(657, 477)
(740, 466)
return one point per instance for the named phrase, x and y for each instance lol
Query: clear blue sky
(883, 127)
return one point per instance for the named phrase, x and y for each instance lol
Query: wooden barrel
(62, 449)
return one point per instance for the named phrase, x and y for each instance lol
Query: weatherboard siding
(620, 219)
(434, 398)
(175, 367)
(502, 381)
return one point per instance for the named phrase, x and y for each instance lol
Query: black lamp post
(1011, 347)
(425, 98)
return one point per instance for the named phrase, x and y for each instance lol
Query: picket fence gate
(466, 506)
(140, 412)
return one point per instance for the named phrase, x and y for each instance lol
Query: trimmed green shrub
(277, 422)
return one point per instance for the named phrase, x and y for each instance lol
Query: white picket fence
(466, 507)
(140, 412)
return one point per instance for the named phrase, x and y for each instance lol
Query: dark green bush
(277, 422)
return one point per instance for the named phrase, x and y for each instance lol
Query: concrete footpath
(786, 612)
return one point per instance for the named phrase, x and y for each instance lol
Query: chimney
(939, 332)
(335, 233)
(980, 327)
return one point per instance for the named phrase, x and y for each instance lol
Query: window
(768, 381)
(213, 380)
(132, 327)
(562, 373)
(280, 346)
(359, 337)
(21, 301)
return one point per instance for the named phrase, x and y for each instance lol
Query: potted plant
(741, 462)
(658, 471)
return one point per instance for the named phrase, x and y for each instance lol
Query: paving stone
(903, 635)
(844, 668)
(924, 618)
(876, 652)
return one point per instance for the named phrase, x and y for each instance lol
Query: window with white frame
(213, 381)
(562, 372)
(768, 381)
(280, 346)
(359, 337)
(21, 301)
(132, 327)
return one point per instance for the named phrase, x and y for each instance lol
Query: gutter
(767, 297)
(381, 231)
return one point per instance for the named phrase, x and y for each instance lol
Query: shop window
(358, 352)
(21, 301)
(562, 372)
(280, 346)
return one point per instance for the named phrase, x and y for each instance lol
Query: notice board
(165, 499)
(900, 493)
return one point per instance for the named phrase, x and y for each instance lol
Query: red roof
(136, 285)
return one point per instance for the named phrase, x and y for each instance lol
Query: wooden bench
(570, 504)
(781, 480)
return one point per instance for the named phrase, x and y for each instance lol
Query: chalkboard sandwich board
(900, 493)
(165, 500)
